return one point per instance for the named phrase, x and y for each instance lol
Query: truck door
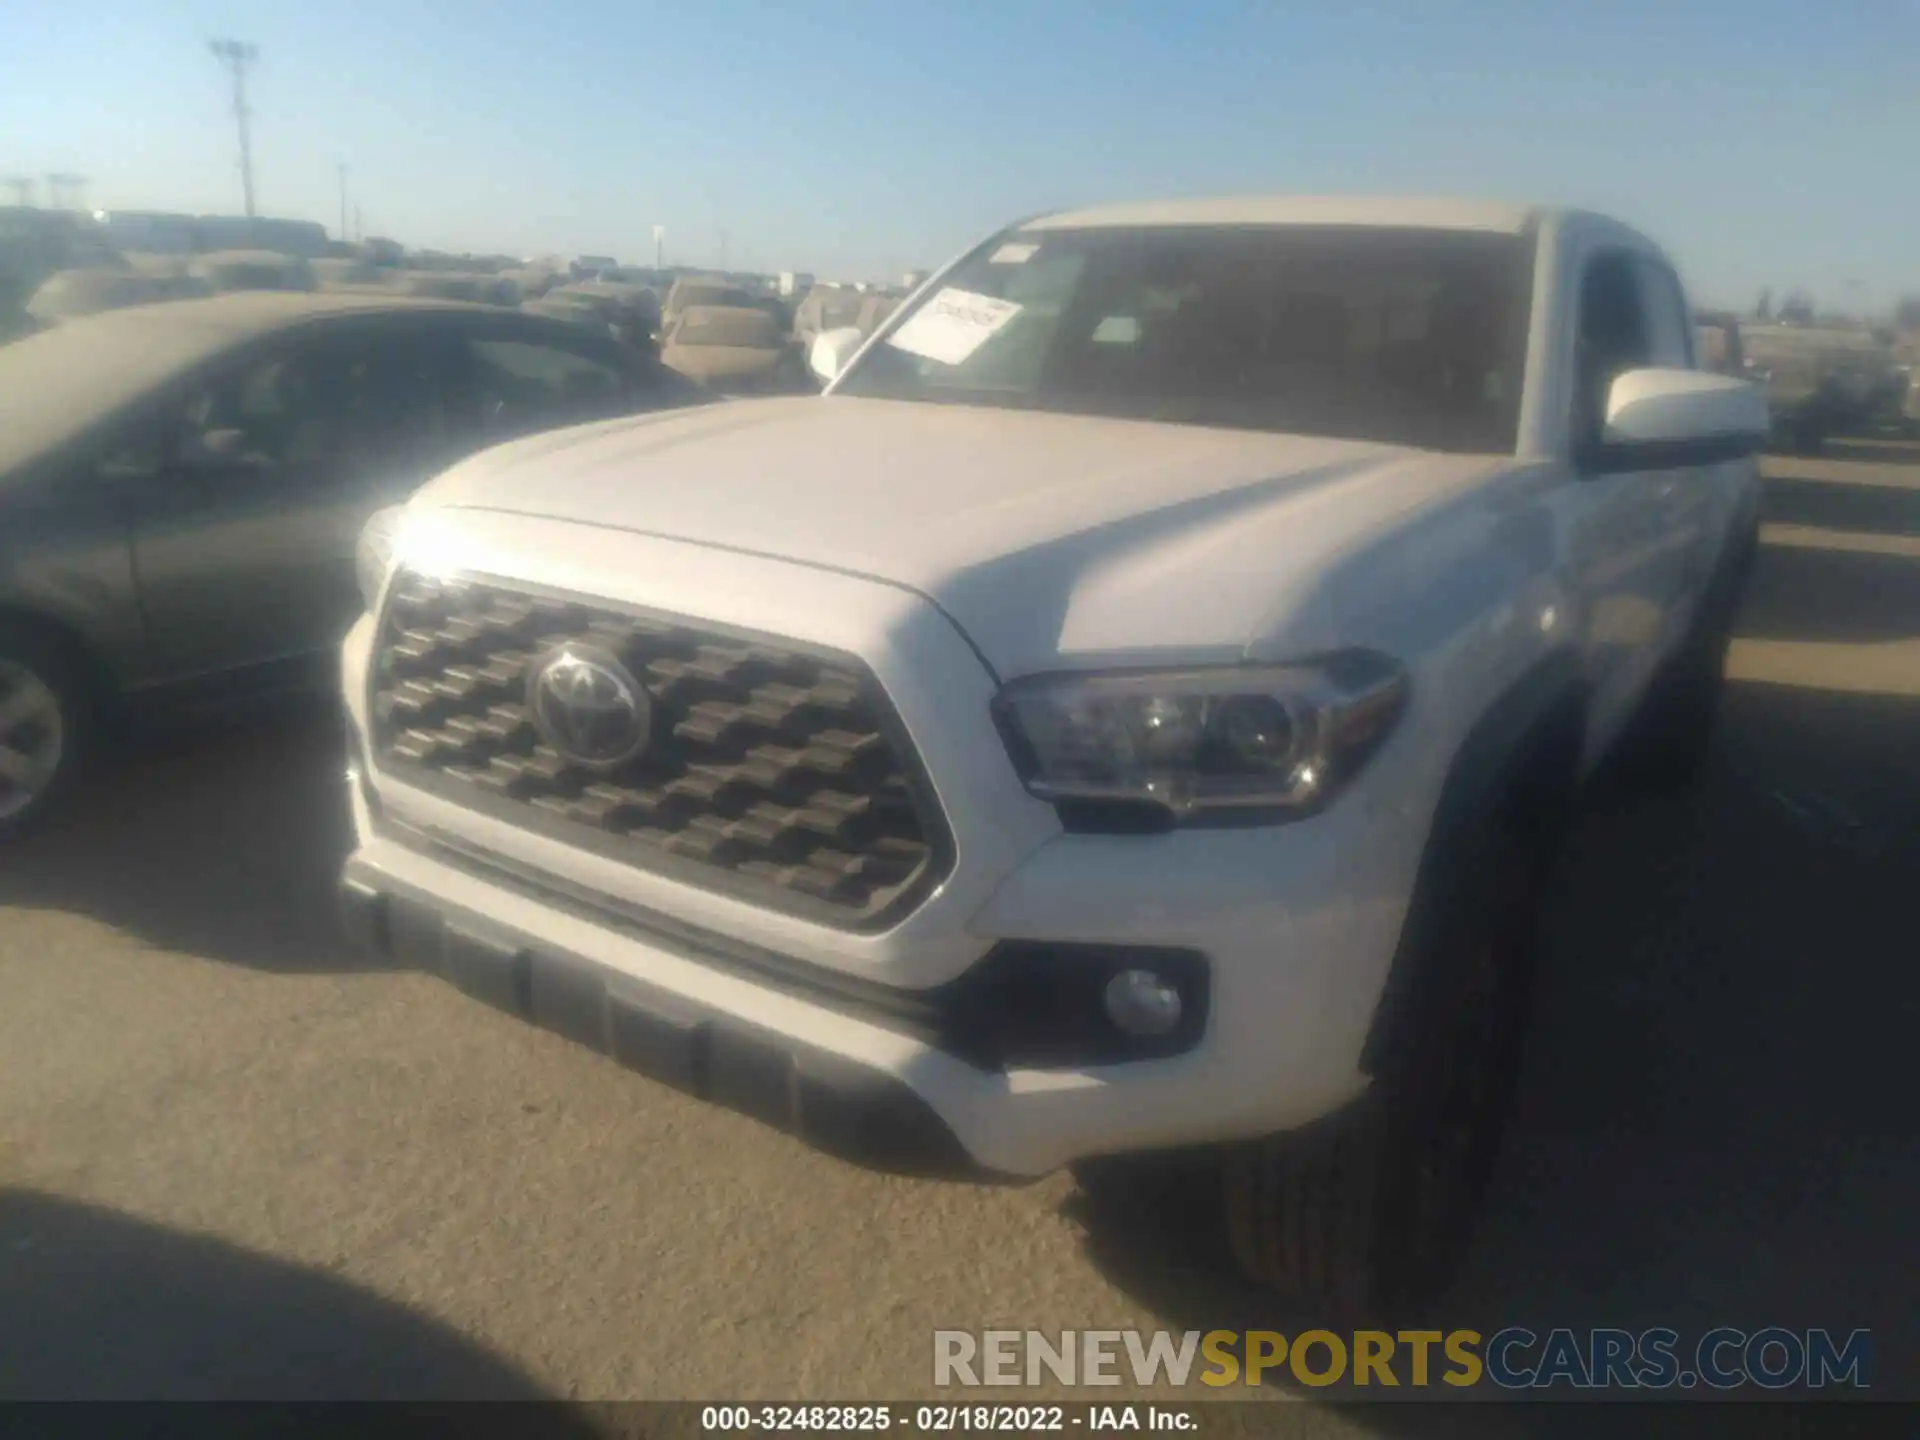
(1623, 554)
(1692, 500)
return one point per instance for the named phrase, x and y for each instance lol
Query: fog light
(1141, 1003)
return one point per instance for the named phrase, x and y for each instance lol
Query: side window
(393, 405)
(1668, 330)
(515, 387)
(268, 412)
(1613, 338)
(140, 451)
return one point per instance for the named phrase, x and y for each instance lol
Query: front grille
(774, 771)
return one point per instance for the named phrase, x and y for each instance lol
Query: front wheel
(44, 727)
(1376, 1205)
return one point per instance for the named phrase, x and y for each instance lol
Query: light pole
(237, 56)
(343, 202)
(659, 247)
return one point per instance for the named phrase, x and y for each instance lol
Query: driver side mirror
(1659, 419)
(832, 350)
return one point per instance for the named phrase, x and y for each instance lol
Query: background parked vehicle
(534, 281)
(633, 310)
(1820, 381)
(152, 232)
(874, 310)
(230, 270)
(697, 290)
(734, 350)
(305, 238)
(182, 487)
(824, 308)
(174, 274)
(73, 294)
(348, 270)
(453, 285)
(38, 244)
(1718, 344)
(389, 254)
(571, 309)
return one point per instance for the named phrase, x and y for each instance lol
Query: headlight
(1187, 745)
(375, 553)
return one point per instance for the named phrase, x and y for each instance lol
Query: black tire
(1373, 1207)
(29, 657)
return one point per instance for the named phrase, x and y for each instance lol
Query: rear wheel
(1375, 1205)
(44, 726)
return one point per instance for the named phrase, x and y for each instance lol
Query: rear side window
(559, 376)
(282, 409)
(509, 387)
(517, 387)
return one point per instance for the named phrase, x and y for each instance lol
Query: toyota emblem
(588, 706)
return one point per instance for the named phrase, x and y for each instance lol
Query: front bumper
(1297, 925)
(850, 1110)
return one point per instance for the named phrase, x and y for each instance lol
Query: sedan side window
(515, 387)
(270, 412)
(393, 406)
(140, 453)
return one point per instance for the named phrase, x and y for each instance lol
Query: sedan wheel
(33, 741)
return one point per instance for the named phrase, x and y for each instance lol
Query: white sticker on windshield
(952, 325)
(1014, 254)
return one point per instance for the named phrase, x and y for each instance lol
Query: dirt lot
(235, 1161)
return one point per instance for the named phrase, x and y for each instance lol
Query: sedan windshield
(1404, 336)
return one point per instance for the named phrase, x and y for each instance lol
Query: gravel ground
(235, 1161)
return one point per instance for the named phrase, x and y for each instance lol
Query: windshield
(1413, 337)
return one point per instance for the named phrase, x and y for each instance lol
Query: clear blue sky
(1765, 142)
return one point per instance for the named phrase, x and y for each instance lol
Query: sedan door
(244, 545)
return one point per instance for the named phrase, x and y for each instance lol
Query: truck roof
(1386, 210)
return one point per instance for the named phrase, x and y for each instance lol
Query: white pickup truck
(1132, 710)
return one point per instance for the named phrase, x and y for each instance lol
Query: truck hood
(1049, 539)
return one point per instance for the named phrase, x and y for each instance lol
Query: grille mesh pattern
(769, 768)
